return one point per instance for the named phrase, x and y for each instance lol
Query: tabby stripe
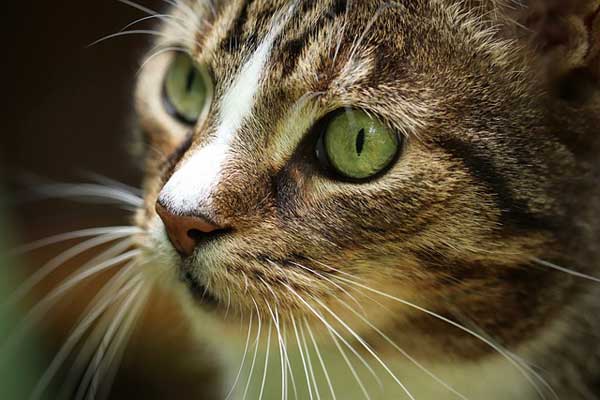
(292, 50)
(514, 213)
(233, 41)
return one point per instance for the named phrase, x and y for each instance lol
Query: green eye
(358, 146)
(187, 89)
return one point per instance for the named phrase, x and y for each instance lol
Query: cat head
(303, 157)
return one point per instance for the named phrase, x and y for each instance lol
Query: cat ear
(565, 34)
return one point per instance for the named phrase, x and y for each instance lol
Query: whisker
(320, 357)
(308, 380)
(402, 351)
(289, 364)
(61, 259)
(565, 270)
(38, 311)
(335, 336)
(166, 18)
(228, 302)
(367, 347)
(489, 343)
(87, 382)
(99, 305)
(264, 378)
(281, 356)
(109, 182)
(116, 352)
(89, 190)
(64, 237)
(72, 381)
(128, 33)
(369, 26)
(338, 286)
(342, 31)
(344, 341)
(237, 378)
(349, 364)
(138, 7)
(256, 347)
(310, 365)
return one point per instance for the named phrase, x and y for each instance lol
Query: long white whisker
(456, 325)
(128, 33)
(367, 347)
(308, 380)
(281, 354)
(87, 383)
(167, 18)
(138, 7)
(61, 259)
(256, 348)
(320, 357)
(266, 367)
(112, 183)
(115, 353)
(338, 286)
(349, 364)
(237, 378)
(103, 300)
(90, 190)
(344, 341)
(311, 370)
(64, 237)
(289, 364)
(566, 270)
(335, 336)
(402, 351)
(38, 311)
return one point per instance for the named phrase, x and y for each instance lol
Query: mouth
(199, 292)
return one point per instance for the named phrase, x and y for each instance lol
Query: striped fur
(499, 171)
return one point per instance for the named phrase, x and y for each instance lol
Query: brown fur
(500, 115)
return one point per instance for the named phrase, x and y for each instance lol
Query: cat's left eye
(187, 90)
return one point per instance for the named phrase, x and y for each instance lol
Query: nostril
(195, 234)
(199, 236)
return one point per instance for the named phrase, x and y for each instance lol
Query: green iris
(186, 89)
(358, 146)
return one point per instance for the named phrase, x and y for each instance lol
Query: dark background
(67, 111)
(67, 106)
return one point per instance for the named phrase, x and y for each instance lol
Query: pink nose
(185, 231)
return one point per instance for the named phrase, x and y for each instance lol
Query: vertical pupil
(360, 142)
(190, 80)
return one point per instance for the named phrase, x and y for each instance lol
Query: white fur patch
(193, 184)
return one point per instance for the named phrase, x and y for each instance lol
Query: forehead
(332, 46)
(314, 37)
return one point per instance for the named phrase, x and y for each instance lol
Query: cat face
(303, 157)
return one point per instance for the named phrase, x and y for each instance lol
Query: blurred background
(67, 112)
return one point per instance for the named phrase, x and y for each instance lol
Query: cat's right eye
(356, 146)
(187, 90)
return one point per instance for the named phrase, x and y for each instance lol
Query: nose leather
(185, 231)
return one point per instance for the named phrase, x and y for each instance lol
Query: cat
(413, 184)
